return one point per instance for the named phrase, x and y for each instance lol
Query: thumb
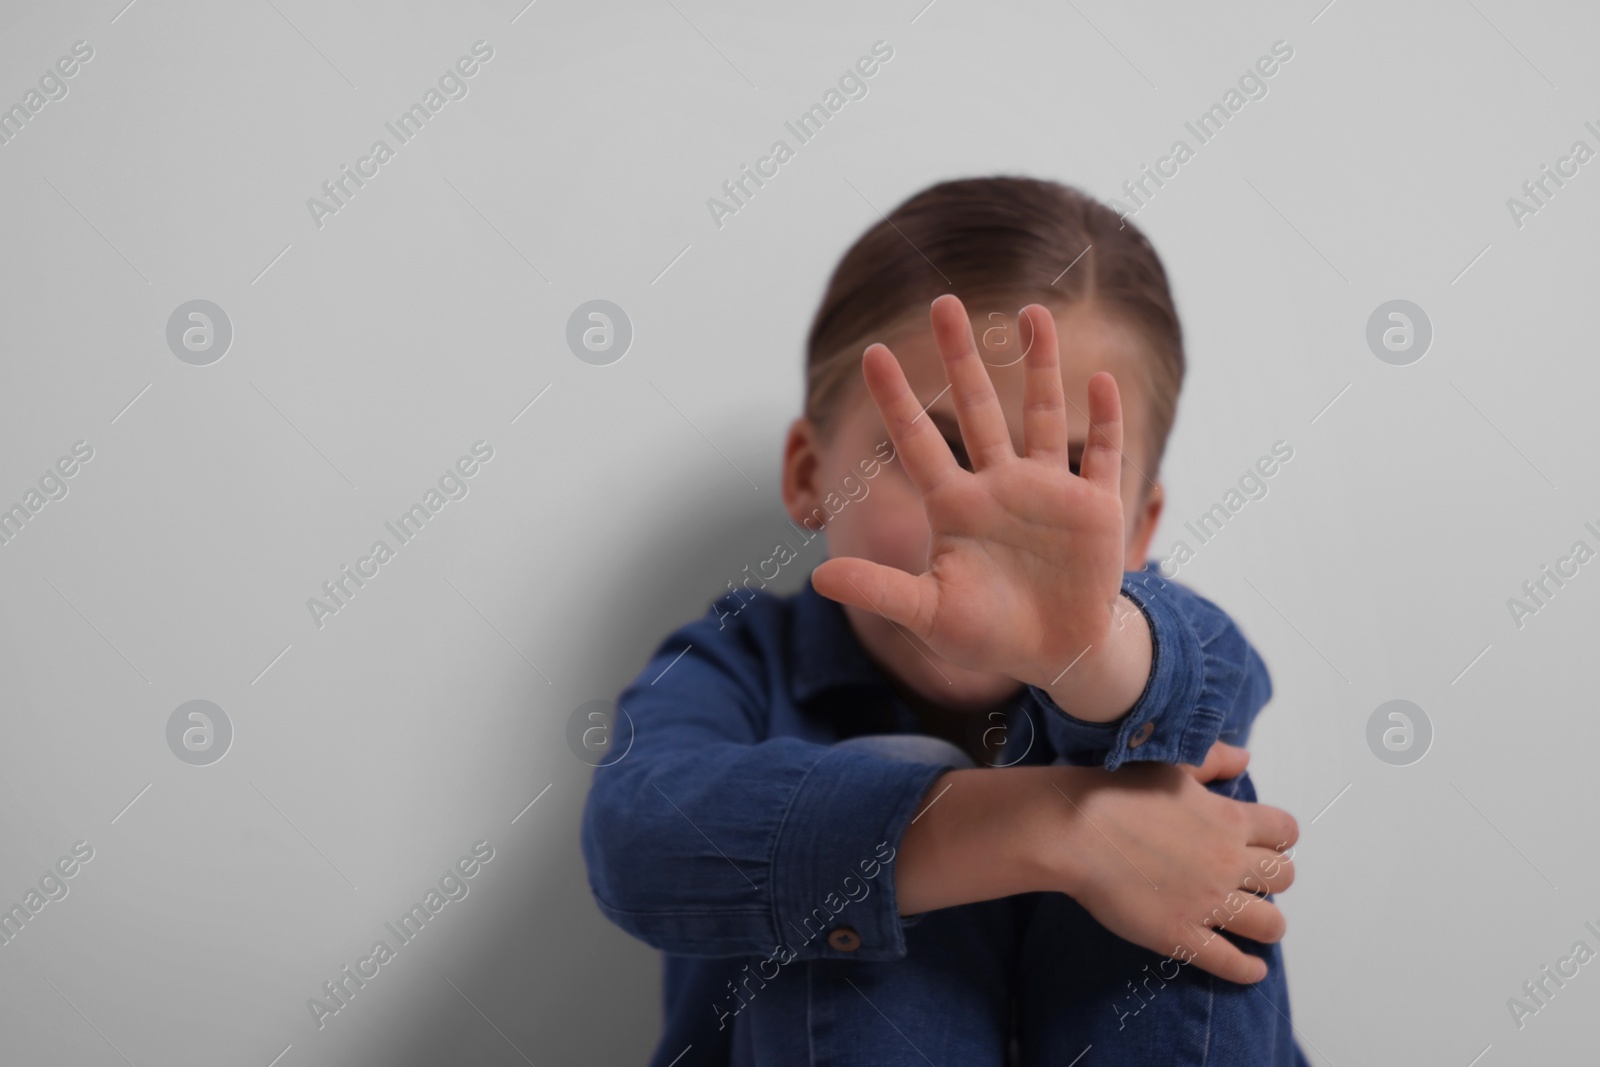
(888, 591)
(1222, 761)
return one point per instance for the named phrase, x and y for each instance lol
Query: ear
(801, 464)
(1144, 528)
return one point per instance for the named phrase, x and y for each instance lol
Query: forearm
(973, 840)
(718, 848)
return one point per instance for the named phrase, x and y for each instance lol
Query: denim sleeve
(1206, 681)
(709, 837)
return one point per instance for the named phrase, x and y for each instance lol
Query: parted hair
(997, 243)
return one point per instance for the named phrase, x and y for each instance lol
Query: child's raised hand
(1026, 558)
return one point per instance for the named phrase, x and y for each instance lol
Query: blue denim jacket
(733, 832)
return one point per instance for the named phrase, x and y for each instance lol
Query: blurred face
(882, 518)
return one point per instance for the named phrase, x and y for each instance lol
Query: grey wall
(370, 352)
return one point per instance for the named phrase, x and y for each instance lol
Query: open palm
(1025, 558)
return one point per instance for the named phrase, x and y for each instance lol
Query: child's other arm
(1203, 682)
(1149, 851)
(708, 837)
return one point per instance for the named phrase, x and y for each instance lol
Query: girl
(961, 799)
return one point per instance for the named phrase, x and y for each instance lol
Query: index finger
(920, 446)
(1222, 761)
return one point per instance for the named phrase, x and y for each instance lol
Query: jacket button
(1141, 735)
(844, 939)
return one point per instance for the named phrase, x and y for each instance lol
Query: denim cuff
(833, 859)
(1197, 665)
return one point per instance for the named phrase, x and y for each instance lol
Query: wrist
(1051, 855)
(1107, 678)
(988, 839)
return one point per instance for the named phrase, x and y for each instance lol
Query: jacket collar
(826, 658)
(825, 653)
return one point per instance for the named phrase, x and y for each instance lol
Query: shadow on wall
(561, 982)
